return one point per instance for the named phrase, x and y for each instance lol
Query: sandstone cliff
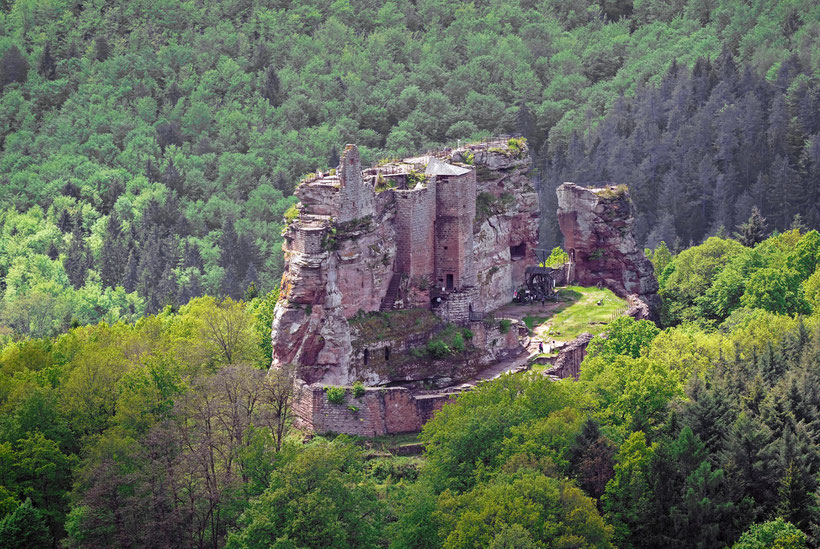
(597, 229)
(446, 237)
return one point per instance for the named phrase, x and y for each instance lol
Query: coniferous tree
(65, 223)
(172, 178)
(13, 67)
(76, 260)
(592, 459)
(101, 49)
(173, 94)
(53, 252)
(131, 279)
(753, 231)
(47, 67)
(271, 87)
(114, 253)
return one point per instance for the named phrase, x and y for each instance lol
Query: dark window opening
(449, 282)
(572, 255)
(518, 252)
(366, 356)
(445, 247)
(387, 353)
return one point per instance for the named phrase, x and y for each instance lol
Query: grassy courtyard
(576, 312)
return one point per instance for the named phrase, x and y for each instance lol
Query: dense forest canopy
(169, 433)
(149, 150)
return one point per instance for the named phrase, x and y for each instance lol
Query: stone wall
(415, 234)
(568, 363)
(380, 411)
(455, 212)
(352, 250)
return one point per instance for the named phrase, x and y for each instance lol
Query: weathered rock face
(451, 235)
(597, 229)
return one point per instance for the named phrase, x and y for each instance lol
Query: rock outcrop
(441, 239)
(597, 229)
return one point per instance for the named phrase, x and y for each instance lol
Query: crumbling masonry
(443, 238)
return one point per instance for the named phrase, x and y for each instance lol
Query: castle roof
(437, 167)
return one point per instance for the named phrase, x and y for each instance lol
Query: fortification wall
(380, 411)
(568, 363)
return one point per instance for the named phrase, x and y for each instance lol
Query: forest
(149, 151)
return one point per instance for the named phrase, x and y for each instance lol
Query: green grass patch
(584, 314)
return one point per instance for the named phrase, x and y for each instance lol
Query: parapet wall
(379, 411)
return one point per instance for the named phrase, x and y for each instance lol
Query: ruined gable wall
(415, 231)
(455, 214)
(366, 248)
(357, 195)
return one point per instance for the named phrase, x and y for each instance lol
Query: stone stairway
(392, 294)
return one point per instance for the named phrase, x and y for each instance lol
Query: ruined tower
(455, 214)
(356, 194)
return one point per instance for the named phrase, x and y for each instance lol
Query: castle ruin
(382, 261)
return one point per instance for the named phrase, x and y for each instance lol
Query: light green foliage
(335, 395)
(542, 510)
(775, 534)
(777, 290)
(466, 438)
(557, 257)
(690, 274)
(316, 498)
(624, 336)
(631, 393)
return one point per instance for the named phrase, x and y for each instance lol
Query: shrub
(457, 344)
(291, 214)
(335, 395)
(438, 349)
(504, 325)
(358, 389)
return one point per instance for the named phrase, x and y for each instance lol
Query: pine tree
(13, 67)
(270, 89)
(53, 252)
(191, 257)
(131, 279)
(47, 67)
(101, 49)
(753, 231)
(65, 223)
(114, 253)
(173, 94)
(592, 459)
(76, 260)
(172, 178)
